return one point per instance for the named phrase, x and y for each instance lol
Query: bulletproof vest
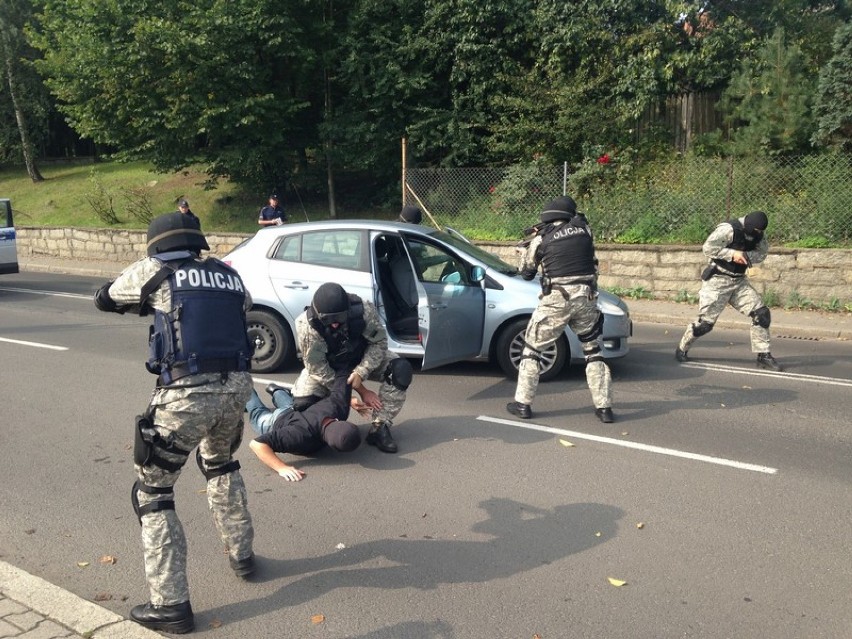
(346, 344)
(740, 242)
(567, 249)
(205, 331)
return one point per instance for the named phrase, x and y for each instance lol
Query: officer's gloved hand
(103, 302)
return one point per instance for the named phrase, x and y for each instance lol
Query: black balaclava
(755, 224)
(341, 436)
(331, 304)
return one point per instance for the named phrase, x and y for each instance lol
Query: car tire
(510, 344)
(273, 343)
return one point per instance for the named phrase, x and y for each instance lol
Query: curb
(67, 609)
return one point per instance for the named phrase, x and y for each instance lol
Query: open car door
(451, 304)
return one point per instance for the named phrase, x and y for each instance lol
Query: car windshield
(489, 259)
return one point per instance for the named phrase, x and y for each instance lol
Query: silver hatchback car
(442, 299)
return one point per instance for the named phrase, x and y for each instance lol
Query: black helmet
(175, 232)
(562, 208)
(331, 304)
(410, 214)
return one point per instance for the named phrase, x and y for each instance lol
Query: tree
(768, 100)
(227, 85)
(25, 91)
(833, 109)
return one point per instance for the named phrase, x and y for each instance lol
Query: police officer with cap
(203, 383)
(731, 249)
(563, 248)
(341, 331)
(273, 213)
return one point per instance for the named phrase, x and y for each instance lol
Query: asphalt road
(720, 496)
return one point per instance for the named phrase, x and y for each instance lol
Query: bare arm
(265, 454)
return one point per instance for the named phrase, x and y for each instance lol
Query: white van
(8, 246)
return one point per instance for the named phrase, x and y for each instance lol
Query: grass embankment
(88, 195)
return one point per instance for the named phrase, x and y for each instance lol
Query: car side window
(335, 249)
(436, 265)
(289, 249)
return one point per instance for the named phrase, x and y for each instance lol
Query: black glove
(103, 302)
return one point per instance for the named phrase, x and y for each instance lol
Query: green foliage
(100, 199)
(768, 100)
(684, 296)
(834, 97)
(771, 298)
(636, 293)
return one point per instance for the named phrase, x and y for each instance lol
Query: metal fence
(808, 198)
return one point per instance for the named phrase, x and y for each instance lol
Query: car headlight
(609, 308)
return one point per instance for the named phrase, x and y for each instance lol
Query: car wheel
(272, 341)
(510, 345)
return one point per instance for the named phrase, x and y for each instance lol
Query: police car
(441, 298)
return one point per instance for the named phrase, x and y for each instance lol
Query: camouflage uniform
(317, 377)
(203, 410)
(727, 287)
(572, 302)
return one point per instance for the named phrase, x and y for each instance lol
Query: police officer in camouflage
(202, 387)
(342, 331)
(564, 249)
(732, 248)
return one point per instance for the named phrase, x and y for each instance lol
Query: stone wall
(820, 275)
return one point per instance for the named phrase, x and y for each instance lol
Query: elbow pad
(103, 302)
(528, 273)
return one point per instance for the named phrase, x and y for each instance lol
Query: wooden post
(404, 166)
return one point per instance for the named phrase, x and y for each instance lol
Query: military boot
(605, 415)
(681, 355)
(243, 568)
(177, 619)
(380, 437)
(765, 360)
(519, 409)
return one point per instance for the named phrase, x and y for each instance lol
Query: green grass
(63, 198)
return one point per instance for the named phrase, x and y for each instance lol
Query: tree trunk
(20, 118)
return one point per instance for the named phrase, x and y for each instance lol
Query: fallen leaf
(624, 433)
(29, 531)
(215, 624)
(424, 515)
(317, 619)
(102, 596)
(566, 443)
(616, 582)
(108, 559)
(722, 405)
(747, 387)
(598, 534)
(640, 525)
(340, 546)
(82, 564)
(536, 636)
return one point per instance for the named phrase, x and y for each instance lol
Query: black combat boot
(272, 388)
(177, 619)
(242, 568)
(681, 355)
(520, 410)
(765, 360)
(380, 437)
(605, 415)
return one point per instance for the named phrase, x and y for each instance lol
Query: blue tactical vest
(205, 331)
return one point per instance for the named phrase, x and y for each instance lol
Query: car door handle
(437, 307)
(297, 285)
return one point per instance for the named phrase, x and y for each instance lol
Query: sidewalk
(31, 608)
(795, 324)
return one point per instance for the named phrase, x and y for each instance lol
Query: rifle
(529, 234)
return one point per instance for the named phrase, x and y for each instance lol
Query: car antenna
(293, 184)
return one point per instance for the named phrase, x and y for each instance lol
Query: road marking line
(52, 293)
(634, 445)
(36, 344)
(817, 379)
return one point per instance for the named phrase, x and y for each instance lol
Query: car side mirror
(477, 274)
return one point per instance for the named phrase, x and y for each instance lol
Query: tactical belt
(212, 365)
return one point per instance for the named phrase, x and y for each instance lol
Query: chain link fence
(808, 198)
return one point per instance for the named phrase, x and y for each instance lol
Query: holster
(144, 436)
(546, 286)
(708, 272)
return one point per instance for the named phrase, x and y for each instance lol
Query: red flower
(604, 159)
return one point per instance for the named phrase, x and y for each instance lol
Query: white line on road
(801, 377)
(76, 296)
(634, 445)
(36, 344)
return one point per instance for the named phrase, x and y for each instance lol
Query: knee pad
(761, 317)
(701, 328)
(215, 471)
(399, 373)
(154, 506)
(593, 332)
(593, 355)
